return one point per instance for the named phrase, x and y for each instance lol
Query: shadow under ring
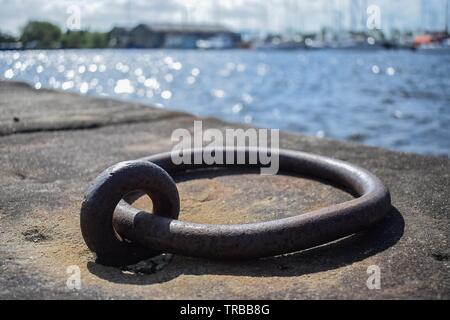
(261, 239)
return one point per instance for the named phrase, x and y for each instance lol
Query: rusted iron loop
(118, 233)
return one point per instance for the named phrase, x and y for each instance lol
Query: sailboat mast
(363, 13)
(422, 15)
(128, 13)
(447, 17)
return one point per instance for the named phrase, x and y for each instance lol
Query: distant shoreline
(227, 49)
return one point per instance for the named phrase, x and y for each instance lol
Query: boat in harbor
(432, 43)
(277, 43)
(443, 47)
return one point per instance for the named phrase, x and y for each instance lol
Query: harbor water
(393, 99)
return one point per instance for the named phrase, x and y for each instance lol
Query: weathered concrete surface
(47, 112)
(61, 142)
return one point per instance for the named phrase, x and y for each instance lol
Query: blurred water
(394, 99)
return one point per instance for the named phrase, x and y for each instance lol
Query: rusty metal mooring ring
(119, 233)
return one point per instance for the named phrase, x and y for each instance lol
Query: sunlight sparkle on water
(375, 69)
(195, 72)
(396, 99)
(237, 107)
(218, 93)
(123, 86)
(166, 94)
(390, 71)
(9, 74)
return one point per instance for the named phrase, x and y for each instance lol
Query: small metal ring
(102, 202)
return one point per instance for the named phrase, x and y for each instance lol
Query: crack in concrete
(93, 125)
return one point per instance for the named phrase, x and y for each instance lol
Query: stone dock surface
(53, 144)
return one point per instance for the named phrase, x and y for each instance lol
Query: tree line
(46, 35)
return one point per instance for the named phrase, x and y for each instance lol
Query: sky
(262, 15)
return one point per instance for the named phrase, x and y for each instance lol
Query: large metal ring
(260, 239)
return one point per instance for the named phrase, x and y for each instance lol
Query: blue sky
(271, 15)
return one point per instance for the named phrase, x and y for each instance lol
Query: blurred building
(174, 36)
(119, 37)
